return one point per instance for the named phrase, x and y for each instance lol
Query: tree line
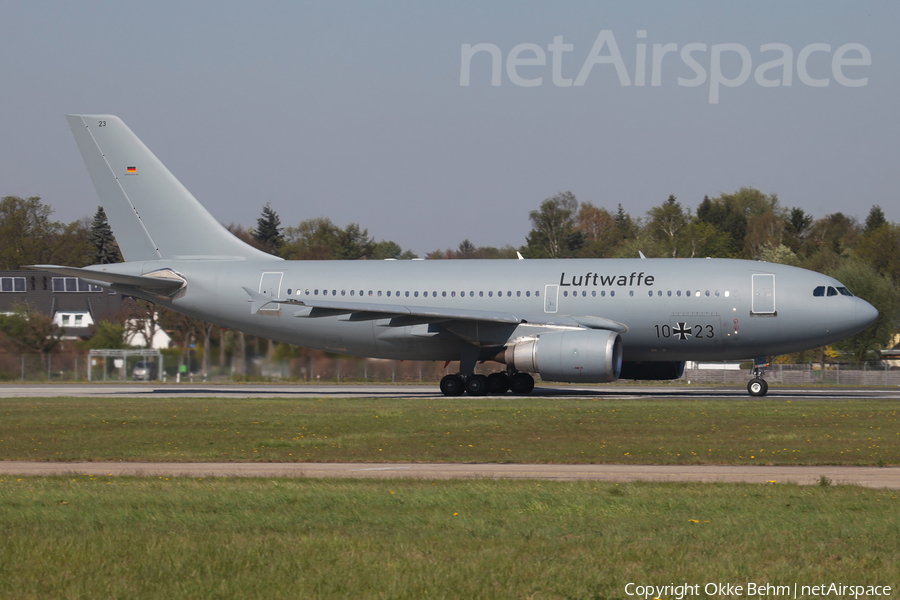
(746, 224)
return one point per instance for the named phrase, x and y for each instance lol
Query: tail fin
(152, 215)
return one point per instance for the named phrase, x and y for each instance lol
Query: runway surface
(200, 390)
(875, 477)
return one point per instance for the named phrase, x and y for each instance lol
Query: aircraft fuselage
(674, 309)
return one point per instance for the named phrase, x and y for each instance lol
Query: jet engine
(582, 356)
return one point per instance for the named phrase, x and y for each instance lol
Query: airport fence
(325, 368)
(79, 366)
(867, 373)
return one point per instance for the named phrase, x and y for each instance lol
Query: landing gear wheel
(477, 385)
(521, 384)
(757, 387)
(452, 385)
(498, 384)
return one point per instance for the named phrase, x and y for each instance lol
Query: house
(73, 304)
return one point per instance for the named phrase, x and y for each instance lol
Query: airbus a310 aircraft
(579, 321)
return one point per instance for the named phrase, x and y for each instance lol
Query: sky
(355, 111)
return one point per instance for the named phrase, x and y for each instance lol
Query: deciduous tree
(879, 290)
(667, 222)
(553, 233)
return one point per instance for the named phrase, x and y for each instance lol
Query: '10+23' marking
(683, 331)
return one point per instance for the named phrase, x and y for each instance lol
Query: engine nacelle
(582, 356)
(643, 370)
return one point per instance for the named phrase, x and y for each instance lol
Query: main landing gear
(495, 384)
(758, 385)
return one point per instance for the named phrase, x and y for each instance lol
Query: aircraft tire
(477, 385)
(498, 384)
(757, 387)
(521, 384)
(452, 385)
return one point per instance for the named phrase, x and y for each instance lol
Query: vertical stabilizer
(151, 213)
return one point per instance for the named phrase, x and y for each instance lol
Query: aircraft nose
(866, 314)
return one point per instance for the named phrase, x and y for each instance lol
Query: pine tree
(101, 236)
(268, 230)
(875, 219)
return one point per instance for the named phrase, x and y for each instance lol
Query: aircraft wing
(158, 281)
(403, 315)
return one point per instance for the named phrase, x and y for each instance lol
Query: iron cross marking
(682, 331)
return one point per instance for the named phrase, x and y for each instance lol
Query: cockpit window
(844, 291)
(832, 291)
(819, 291)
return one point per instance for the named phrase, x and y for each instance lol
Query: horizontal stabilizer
(108, 277)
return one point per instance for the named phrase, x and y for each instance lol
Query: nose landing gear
(758, 385)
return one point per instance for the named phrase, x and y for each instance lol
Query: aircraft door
(270, 285)
(551, 298)
(763, 296)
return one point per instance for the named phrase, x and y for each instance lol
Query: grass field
(543, 430)
(294, 538)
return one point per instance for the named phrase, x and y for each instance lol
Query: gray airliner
(579, 320)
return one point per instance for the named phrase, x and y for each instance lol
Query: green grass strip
(532, 430)
(98, 537)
